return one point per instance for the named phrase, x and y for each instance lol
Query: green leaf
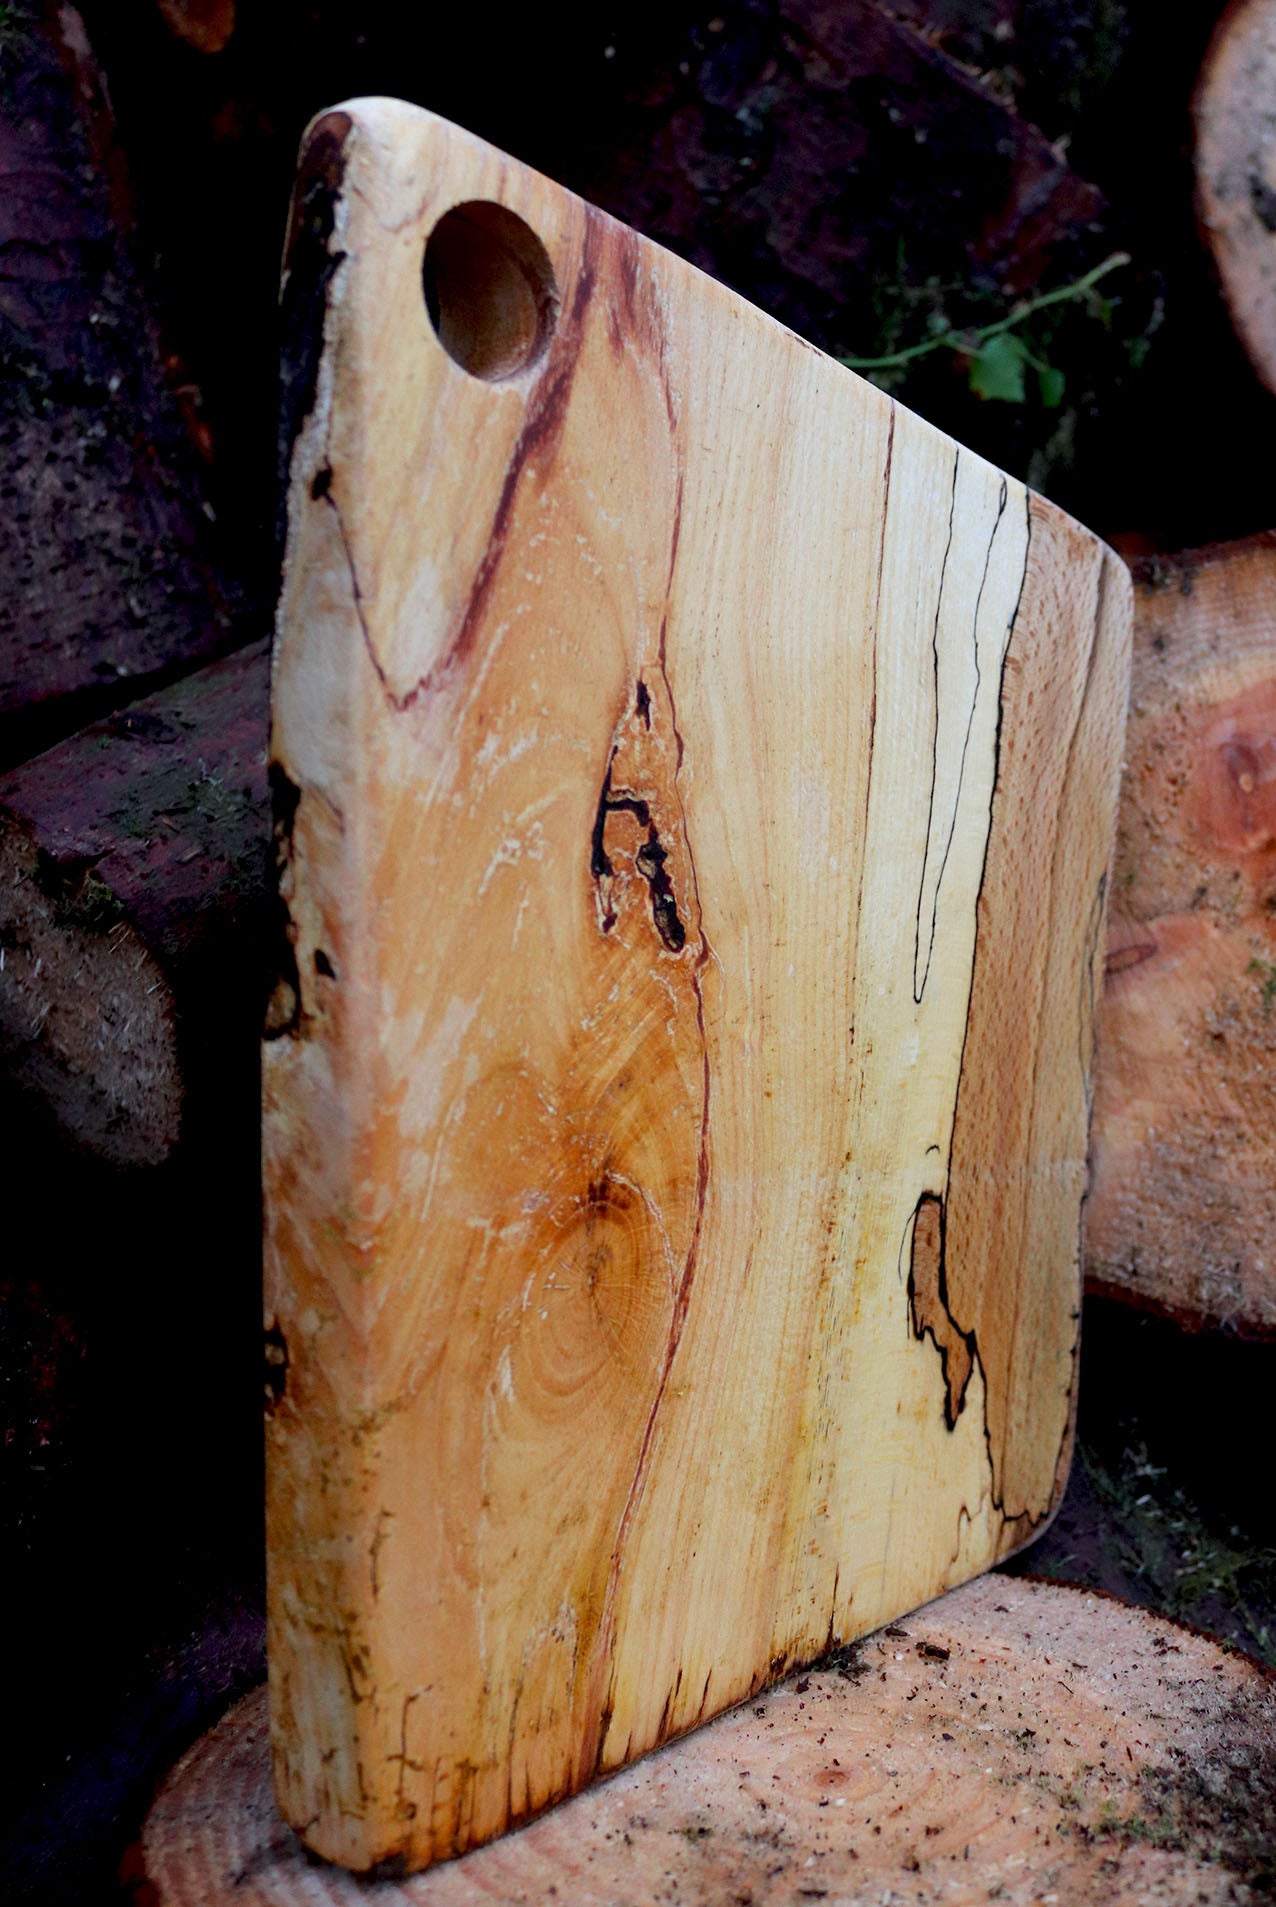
(1051, 383)
(998, 369)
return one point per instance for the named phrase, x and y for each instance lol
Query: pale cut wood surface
(698, 780)
(1182, 1208)
(1015, 1741)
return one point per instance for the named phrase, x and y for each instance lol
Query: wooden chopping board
(696, 779)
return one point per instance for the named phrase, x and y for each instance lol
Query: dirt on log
(111, 581)
(1015, 1741)
(1181, 1216)
(136, 902)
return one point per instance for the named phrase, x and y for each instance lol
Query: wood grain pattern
(672, 1250)
(1183, 1203)
(1014, 1741)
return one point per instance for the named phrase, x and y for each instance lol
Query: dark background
(855, 182)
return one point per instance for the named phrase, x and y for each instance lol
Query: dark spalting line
(965, 746)
(877, 614)
(309, 269)
(276, 1364)
(934, 735)
(928, 1306)
(1089, 1000)
(682, 1297)
(1088, 1003)
(831, 1638)
(542, 427)
(1027, 1518)
(937, 1316)
(649, 861)
(285, 798)
(868, 784)
(623, 323)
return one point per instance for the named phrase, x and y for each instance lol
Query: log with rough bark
(812, 152)
(1015, 1741)
(135, 909)
(1182, 1208)
(672, 1236)
(1235, 113)
(104, 546)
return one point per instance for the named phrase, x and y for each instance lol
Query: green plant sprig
(971, 342)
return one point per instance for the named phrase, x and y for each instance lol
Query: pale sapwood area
(697, 778)
(1182, 1206)
(1235, 114)
(1016, 1741)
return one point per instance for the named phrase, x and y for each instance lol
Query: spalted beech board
(696, 787)
(1013, 1742)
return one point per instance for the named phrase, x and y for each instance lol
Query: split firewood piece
(1017, 1741)
(1182, 1208)
(103, 541)
(1236, 171)
(135, 905)
(700, 776)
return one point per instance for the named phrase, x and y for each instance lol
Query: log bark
(110, 577)
(1016, 1741)
(135, 909)
(1235, 114)
(1182, 1209)
(820, 152)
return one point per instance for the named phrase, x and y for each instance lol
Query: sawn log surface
(1016, 1741)
(696, 785)
(1182, 1206)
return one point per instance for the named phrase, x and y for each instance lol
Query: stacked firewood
(791, 152)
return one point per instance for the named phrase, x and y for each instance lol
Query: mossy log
(1016, 1741)
(135, 908)
(1182, 1209)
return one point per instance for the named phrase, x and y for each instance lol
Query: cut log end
(1015, 1741)
(135, 909)
(86, 1015)
(1182, 1205)
(1235, 112)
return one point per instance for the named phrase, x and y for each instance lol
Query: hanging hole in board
(489, 289)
